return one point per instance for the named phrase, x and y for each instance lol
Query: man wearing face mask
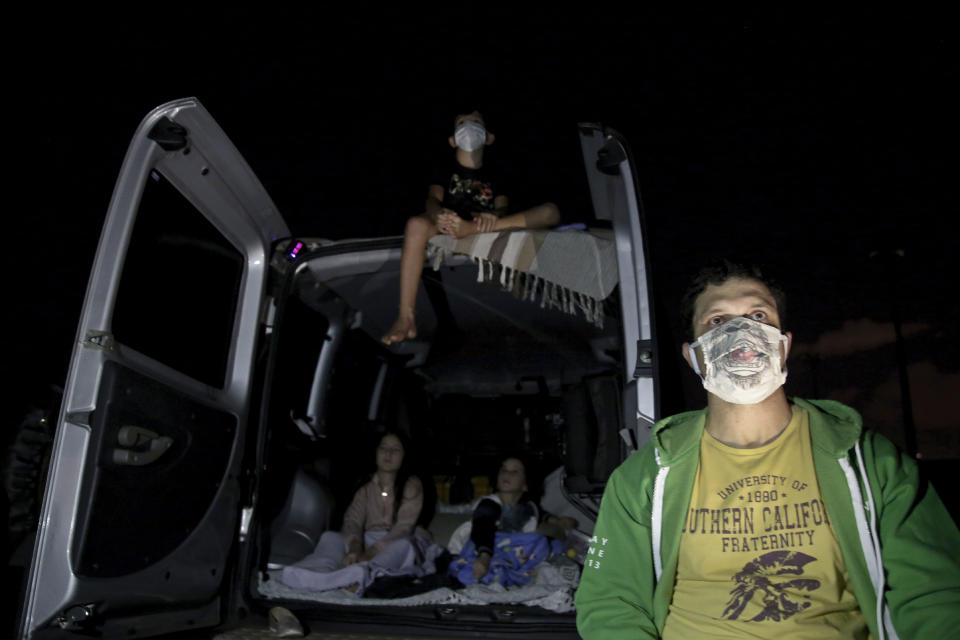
(765, 516)
(466, 196)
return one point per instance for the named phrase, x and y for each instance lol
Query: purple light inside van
(295, 250)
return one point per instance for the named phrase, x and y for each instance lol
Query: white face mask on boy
(470, 135)
(742, 360)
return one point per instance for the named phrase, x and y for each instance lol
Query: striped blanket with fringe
(569, 270)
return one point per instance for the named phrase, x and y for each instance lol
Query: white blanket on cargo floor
(551, 588)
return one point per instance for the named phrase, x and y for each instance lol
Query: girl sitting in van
(377, 530)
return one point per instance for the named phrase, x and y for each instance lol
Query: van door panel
(141, 508)
(616, 197)
(132, 515)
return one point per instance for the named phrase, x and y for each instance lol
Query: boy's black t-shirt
(466, 190)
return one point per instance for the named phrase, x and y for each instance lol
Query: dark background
(805, 142)
(809, 142)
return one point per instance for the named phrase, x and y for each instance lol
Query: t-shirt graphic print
(468, 191)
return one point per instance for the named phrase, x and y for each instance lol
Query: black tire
(24, 469)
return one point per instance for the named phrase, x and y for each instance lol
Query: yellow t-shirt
(758, 555)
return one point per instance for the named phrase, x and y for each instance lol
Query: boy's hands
(451, 224)
(485, 222)
(448, 222)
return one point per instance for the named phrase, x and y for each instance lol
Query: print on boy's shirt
(767, 518)
(477, 192)
(758, 578)
(774, 517)
(753, 528)
(757, 480)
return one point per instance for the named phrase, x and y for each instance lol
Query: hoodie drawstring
(656, 523)
(869, 539)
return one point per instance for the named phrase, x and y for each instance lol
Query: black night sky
(807, 142)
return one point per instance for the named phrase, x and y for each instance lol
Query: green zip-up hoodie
(895, 521)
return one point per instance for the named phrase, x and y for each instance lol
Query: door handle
(139, 446)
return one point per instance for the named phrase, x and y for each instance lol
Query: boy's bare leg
(539, 217)
(419, 229)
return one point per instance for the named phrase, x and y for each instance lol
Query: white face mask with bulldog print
(742, 360)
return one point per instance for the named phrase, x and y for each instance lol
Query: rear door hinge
(81, 418)
(644, 367)
(99, 340)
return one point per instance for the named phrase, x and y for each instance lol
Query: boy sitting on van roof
(473, 201)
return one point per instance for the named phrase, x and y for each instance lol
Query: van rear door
(616, 197)
(142, 505)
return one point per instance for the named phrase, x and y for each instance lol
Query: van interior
(491, 373)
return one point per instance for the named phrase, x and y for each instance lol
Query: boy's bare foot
(404, 328)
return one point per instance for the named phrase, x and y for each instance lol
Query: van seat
(591, 412)
(304, 517)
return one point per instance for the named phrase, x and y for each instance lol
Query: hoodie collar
(678, 435)
(834, 428)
